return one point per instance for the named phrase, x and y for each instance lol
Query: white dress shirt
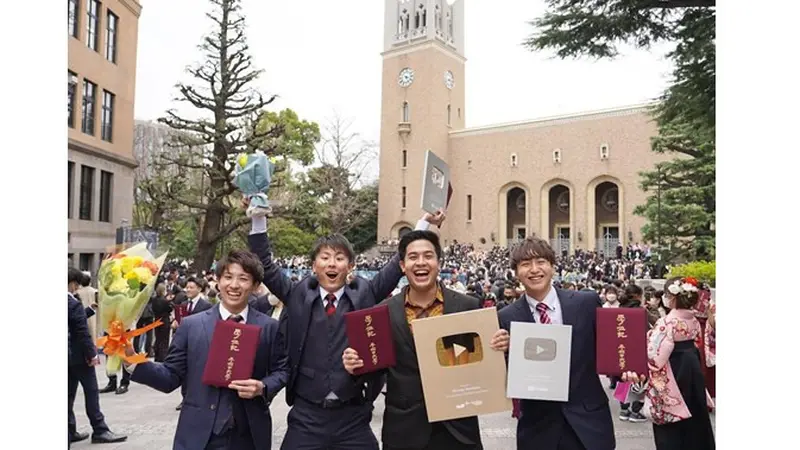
(553, 307)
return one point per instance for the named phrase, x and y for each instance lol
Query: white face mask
(666, 301)
(273, 300)
(611, 298)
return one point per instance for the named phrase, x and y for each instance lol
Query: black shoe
(77, 437)
(180, 405)
(110, 387)
(108, 437)
(122, 389)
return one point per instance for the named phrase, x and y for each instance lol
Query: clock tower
(422, 101)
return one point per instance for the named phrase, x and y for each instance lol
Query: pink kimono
(666, 402)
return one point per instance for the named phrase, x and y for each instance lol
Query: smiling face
(533, 261)
(331, 266)
(192, 289)
(421, 265)
(235, 287)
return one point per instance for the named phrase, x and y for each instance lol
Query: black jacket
(81, 348)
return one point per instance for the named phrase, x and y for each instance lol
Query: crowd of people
(306, 349)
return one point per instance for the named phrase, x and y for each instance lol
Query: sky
(323, 57)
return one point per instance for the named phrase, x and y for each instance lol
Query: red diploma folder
(370, 334)
(181, 311)
(232, 353)
(621, 341)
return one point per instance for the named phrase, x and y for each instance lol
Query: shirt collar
(439, 296)
(323, 293)
(225, 314)
(551, 299)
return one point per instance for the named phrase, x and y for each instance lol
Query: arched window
(448, 115)
(514, 160)
(406, 113)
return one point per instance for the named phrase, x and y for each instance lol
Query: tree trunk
(207, 245)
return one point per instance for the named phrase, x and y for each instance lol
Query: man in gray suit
(405, 419)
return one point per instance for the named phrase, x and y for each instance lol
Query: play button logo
(540, 349)
(458, 349)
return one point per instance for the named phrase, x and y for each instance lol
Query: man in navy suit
(331, 409)
(82, 361)
(584, 421)
(195, 304)
(237, 418)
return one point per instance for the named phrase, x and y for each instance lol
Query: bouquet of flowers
(252, 176)
(125, 281)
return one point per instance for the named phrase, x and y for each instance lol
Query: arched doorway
(607, 221)
(403, 231)
(558, 225)
(513, 207)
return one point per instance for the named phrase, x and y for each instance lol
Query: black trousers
(85, 375)
(162, 341)
(230, 440)
(148, 337)
(441, 439)
(310, 427)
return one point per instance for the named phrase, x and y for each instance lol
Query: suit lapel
(451, 303)
(355, 299)
(397, 315)
(568, 306)
(524, 313)
(210, 317)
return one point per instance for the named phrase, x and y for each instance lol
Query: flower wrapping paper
(125, 283)
(252, 177)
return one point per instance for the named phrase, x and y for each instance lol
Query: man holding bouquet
(236, 418)
(331, 409)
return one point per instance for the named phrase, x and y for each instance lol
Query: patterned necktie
(330, 307)
(190, 308)
(543, 317)
(236, 318)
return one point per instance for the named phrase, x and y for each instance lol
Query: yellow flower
(129, 262)
(118, 285)
(242, 160)
(143, 274)
(116, 269)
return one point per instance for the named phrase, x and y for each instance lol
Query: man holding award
(229, 380)
(405, 421)
(331, 409)
(583, 421)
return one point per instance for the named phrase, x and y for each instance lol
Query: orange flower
(690, 280)
(152, 266)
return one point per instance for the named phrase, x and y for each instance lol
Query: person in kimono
(676, 386)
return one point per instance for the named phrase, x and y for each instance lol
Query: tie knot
(236, 318)
(330, 298)
(541, 307)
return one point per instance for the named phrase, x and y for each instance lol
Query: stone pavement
(149, 418)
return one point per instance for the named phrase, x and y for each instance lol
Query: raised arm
(277, 283)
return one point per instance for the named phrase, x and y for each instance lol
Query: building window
(72, 17)
(405, 158)
(87, 189)
(106, 192)
(85, 262)
(604, 151)
(70, 192)
(557, 156)
(459, 113)
(111, 36)
(406, 113)
(403, 202)
(92, 17)
(89, 99)
(469, 208)
(72, 91)
(448, 115)
(513, 160)
(107, 118)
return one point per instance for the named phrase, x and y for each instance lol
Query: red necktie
(543, 317)
(190, 308)
(330, 307)
(236, 318)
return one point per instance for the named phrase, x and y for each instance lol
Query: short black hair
(419, 235)
(335, 241)
(74, 276)
(532, 247)
(249, 262)
(195, 281)
(87, 280)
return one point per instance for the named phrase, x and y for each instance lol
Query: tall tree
(229, 113)
(681, 206)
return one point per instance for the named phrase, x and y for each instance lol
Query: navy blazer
(81, 348)
(587, 409)
(298, 298)
(185, 364)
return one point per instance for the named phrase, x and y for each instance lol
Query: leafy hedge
(702, 270)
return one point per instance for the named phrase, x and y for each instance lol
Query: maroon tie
(190, 308)
(236, 318)
(543, 317)
(330, 307)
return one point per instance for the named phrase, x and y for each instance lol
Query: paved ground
(149, 418)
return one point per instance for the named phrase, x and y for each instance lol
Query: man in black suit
(82, 361)
(331, 409)
(195, 304)
(584, 421)
(405, 419)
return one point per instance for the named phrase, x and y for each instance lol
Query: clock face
(449, 81)
(406, 77)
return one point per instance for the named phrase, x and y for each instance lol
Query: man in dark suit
(237, 418)
(195, 304)
(405, 419)
(584, 421)
(331, 409)
(82, 359)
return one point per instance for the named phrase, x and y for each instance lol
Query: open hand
(351, 360)
(500, 341)
(247, 389)
(435, 219)
(94, 361)
(633, 377)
